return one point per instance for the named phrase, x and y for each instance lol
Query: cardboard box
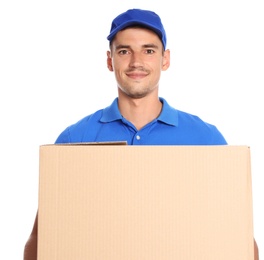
(119, 202)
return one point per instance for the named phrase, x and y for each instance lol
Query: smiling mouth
(137, 74)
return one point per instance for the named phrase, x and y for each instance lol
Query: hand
(30, 250)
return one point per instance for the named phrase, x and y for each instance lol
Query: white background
(53, 72)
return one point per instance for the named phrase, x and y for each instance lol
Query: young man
(137, 56)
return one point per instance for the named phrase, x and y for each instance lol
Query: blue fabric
(133, 17)
(172, 127)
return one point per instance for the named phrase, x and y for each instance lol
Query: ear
(109, 61)
(166, 60)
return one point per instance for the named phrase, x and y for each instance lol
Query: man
(137, 56)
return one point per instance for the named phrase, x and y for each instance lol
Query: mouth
(137, 74)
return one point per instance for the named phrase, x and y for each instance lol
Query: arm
(30, 250)
(256, 253)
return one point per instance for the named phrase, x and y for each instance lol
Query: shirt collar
(111, 113)
(168, 115)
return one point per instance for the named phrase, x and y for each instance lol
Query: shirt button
(138, 137)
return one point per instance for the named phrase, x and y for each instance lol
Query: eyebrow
(123, 46)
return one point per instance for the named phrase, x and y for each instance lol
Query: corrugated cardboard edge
(90, 143)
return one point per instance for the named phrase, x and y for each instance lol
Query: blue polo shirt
(172, 127)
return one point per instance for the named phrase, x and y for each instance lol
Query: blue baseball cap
(145, 18)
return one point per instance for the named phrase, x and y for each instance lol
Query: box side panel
(151, 203)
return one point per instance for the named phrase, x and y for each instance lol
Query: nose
(136, 60)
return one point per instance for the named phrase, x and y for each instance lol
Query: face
(137, 59)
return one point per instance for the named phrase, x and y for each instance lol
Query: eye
(150, 51)
(123, 52)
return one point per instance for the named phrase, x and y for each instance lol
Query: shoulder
(191, 127)
(207, 132)
(87, 128)
(179, 118)
(76, 131)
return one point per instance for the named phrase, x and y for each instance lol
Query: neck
(140, 111)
